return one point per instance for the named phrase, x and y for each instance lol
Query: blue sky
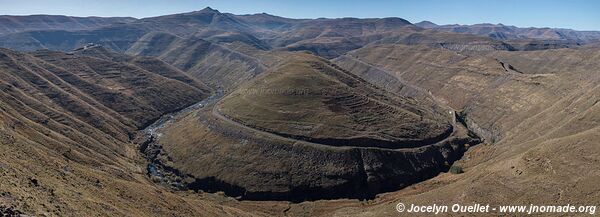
(574, 14)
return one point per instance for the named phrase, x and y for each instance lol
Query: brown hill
(215, 64)
(432, 69)
(538, 109)
(272, 139)
(311, 99)
(372, 122)
(186, 24)
(120, 36)
(65, 127)
(325, 37)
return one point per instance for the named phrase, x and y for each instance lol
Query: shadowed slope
(485, 84)
(539, 109)
(65, 128)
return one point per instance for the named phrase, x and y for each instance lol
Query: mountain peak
(395, 20)
(209, 9)
(426, 24)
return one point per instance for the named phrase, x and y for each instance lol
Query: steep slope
(272, 139)
(485, 83)
(110, 78)
(538, 108)
(215, 64)
(302, 128)
(65, 128)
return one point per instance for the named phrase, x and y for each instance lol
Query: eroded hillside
(65, 128)
(208, 113)
(309, 130)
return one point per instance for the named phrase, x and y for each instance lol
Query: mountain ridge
(14, 24)
(502, 31)
(209, 113)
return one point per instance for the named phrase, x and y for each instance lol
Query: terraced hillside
(309, 130)
(540, 114)
(312, 99)
(208, 113)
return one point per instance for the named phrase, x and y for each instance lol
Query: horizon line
(296, 18)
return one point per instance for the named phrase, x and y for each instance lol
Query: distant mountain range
(504, 32)
(12, 24)
(326, 37)
(195, 114)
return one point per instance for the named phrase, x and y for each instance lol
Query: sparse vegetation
(454, 169)
(332, 122)
(334, 108)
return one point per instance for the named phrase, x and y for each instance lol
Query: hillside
(209, 113)
(285, 116)
(538, 109)
(213, 63)
(65, 127)
(312, 99)
(328, 38)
